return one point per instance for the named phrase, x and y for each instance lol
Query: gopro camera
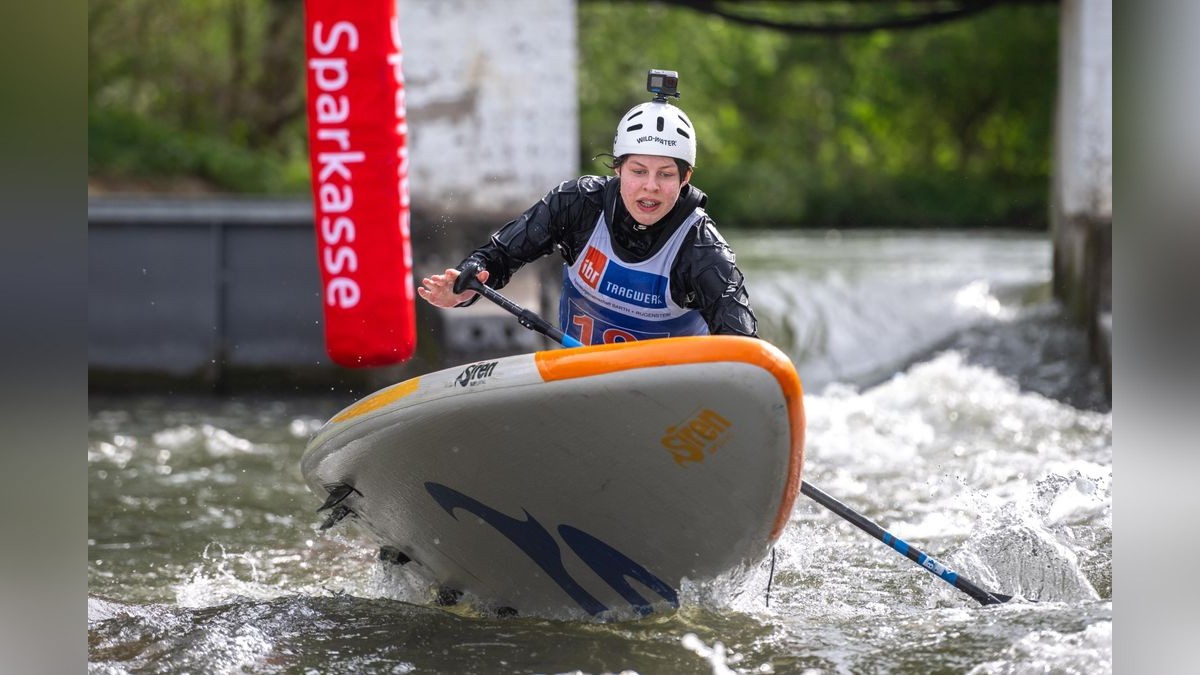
(662, 83)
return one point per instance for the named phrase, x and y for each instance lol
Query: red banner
(357, 146)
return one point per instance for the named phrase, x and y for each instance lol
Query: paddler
(642, 258)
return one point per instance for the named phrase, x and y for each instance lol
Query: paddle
(902, 547)
(467, 281)
(532, 321)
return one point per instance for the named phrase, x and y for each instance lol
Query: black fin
(337, 494)
(335, 516)
(393, 555)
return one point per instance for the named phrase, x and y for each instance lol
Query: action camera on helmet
(662, 83)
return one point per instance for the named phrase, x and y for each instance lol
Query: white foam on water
(1009, 488)
(222, 577)
(327, 565)
(716, 655)
(242, 648)
(207, 438)
(398, 582)
(305, 427)
(1047, 651)
(115, 454)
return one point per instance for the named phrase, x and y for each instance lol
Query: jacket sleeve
(712, 283)
(556, 222)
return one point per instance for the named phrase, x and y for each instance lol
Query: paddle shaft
(527, 318)
(902, 547)
(536, 323)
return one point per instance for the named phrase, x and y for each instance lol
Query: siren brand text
(476, 374)
(702, 434)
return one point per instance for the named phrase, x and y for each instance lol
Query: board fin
(393, 555)
(336, 516)
(338, 492)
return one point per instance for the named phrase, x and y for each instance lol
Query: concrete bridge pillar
(1081, 195)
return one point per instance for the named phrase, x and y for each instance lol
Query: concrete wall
(492, 104)
(189, 289)
(1082, 189)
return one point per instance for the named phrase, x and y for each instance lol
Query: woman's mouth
(648, 204)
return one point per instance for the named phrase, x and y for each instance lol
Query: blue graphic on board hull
(536, 542)
(613, 567)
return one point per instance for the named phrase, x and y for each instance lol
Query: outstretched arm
(568, 210)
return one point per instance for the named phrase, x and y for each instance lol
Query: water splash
(716, 655)
(402, 583)
(207, 438)
(1018, 549)
(222, 577)
(1049, 651)
(1008, 487)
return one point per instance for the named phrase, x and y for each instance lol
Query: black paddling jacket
(704, 275)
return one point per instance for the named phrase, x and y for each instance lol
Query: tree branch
(963, 9)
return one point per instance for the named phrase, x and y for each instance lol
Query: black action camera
(662, 83)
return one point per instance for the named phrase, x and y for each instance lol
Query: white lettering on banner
(339, 259)
(340, 28)
(334, 230)
(343, 292)
(334, 200)
(332, 110)
(342, 136)
(331, 74)
(335, 162)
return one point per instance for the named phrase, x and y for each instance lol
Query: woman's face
(650, 186)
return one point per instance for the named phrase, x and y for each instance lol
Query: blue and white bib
(605, 299)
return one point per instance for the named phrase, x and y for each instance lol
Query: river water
(947, 399)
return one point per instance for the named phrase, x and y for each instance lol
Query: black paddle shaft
(900, 546)
(527, 318)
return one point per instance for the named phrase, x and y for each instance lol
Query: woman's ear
(687, 178)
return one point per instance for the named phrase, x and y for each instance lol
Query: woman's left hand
(438, 289)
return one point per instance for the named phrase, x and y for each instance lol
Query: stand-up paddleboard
(593, 479)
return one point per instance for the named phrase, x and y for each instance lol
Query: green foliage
(943, 126)
(124, 145)
(210, 89)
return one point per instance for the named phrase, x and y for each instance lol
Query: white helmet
(656, 128)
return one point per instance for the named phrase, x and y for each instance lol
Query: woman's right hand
(438, 289)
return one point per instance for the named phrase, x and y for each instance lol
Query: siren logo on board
(702, 434)
(476, 374)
